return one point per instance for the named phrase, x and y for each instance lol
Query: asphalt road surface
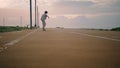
(64, 48)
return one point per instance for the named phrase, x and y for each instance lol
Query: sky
(103, 14)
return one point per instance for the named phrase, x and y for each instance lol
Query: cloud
(71, 13)
(4, 3)
(8, 3)
(104, 21)
(67, 6)
(85, 7)
(14, 4)
(104, 2)
(74, 3)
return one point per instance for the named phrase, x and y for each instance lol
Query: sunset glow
(95, 13)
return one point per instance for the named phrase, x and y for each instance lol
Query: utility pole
(21, 21)
(35, 14)
(37, 17)
(3, 21)
(30, 14)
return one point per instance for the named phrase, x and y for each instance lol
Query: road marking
(96, 36)
(19, 39)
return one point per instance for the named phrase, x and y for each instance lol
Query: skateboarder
(43, 18)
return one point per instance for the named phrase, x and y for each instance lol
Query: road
(64, 48)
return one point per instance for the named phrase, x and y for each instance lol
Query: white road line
(19, 39)
(96, 36)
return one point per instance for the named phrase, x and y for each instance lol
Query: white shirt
(44, 16)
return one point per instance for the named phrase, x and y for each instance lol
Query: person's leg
(44, 24)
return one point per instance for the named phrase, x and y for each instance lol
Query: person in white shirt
(43, 18)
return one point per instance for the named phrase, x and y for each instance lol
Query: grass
(11, 28)
(115, 29)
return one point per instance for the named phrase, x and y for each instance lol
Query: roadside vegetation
(11, 28)
(115, 29)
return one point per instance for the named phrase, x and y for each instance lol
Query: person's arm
(48, 16)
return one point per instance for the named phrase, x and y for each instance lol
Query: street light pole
(37, 17)
(30, 14)
(35, 14)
